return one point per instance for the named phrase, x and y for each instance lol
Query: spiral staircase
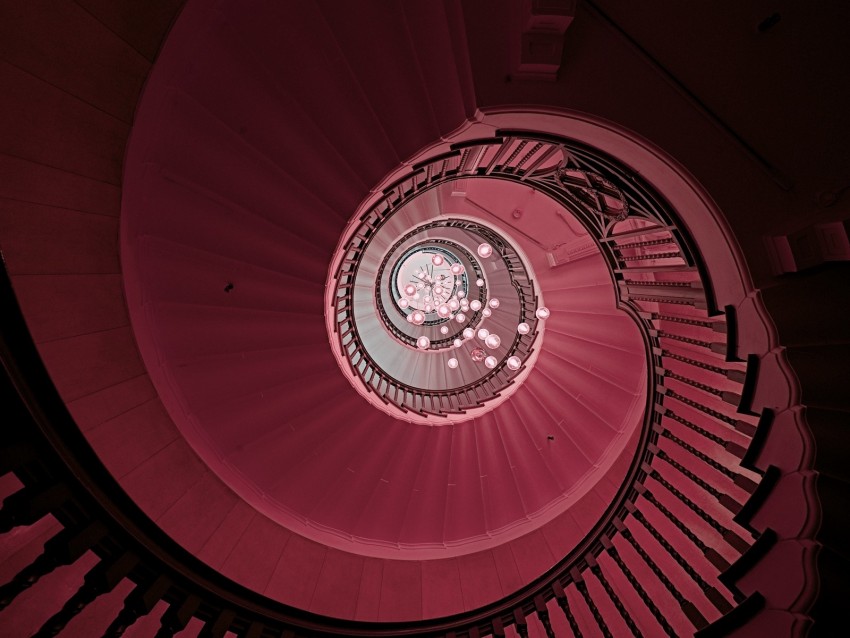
(213, 435)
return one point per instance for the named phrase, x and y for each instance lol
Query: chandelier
(433, 289)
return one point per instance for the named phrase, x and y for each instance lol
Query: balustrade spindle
(31, 504)
(648, 242)
(725, 395)
(140, 602)
(515, 153)
(667, 255)
(635, 583)
(710, 553)
(728, 535)
(581, 586)
(734, 375)
(177, 616)
(218, 626)
(63, 549)
(563, 603)
(101, 579)
(596, 570)
(667, 300)
(739, 479)
(724, 499)
(712, 594)
(688, 608)
(699, 406)
(543, 616)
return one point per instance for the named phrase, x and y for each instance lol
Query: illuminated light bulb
(417, 317)
(416, 296)
(403, 303)
(444, 330)
(493, 341)
(409, 318)
(457, 343)
(483, 333)
(479, 282)
(523, 328)
(443, 310)
(452, 363)
(460, 317)
(420, 286)
(410, 290)
(464, 305)
(491, 361)
(494, 303)
(468, 333)
(485, 250)
(478, 355)
(423, 343)
(428, 307)
(457, 269)
(475, 304)
(514, 363)
(461, 294)
(454, 304)
(486, 312)
(438, 290)
(437, 260)
(542, 313)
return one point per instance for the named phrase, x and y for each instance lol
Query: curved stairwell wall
(59, 238)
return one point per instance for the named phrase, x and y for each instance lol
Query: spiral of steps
(203, 463)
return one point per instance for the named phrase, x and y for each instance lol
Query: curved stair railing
(391, 390)
(663, 559)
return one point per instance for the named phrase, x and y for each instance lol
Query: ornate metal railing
(690, 491)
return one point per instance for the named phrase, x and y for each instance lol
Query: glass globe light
(485, 250)
(491, 361)
(478, 355)
(410, 290)
(403, 303)
(438, 290)
(523, 328)
(416, 296)
(423, 343)
(443, 310)
(454, 304)
(452, 363)
(457, 343)
(483, 333)
(460, 317)
(486, 312)
(468, 333)
(464, 304)
(428, 307)
(418, 317)
(461, 294)
(444, 330)
(542, 313)
(475, 304)
(437, 260)
(479, 282)
(493, 341)
(514, 363)
(420, 285)
(457, 269)
(494, 303)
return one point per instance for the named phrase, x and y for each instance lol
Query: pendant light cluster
(437, 293)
